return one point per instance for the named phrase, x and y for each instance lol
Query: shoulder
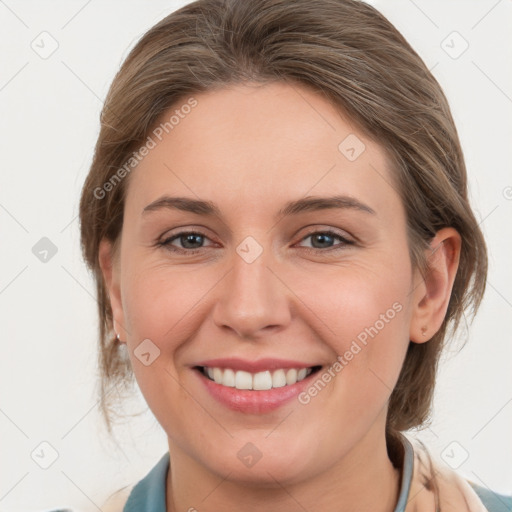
(433, 480)
(493, 501)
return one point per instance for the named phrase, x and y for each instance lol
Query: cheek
(164, 305)
(366, 319)
(158, 301)
(159, 306)
(373, 327)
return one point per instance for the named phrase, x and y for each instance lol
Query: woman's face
(269, 282)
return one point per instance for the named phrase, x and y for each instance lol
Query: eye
(322, 240)
(190, 242)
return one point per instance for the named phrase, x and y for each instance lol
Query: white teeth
(243, 380)
(291, 376)
(259, 381)
(228, 378)
(217, 375)
(262, 380)
(278, 379)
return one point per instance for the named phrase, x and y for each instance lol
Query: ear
(432, 291)
(111, 270)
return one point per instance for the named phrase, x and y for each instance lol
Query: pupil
(323, 238)
(191, 238)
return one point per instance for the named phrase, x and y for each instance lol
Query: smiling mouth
(260, 381)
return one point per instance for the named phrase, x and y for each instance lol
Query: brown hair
(346, 51)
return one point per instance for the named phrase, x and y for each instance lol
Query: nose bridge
(252, 298)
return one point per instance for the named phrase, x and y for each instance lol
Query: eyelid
(183, 230)
(344, 240)
(333, 231)
(166, 240)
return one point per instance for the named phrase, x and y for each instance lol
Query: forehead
(257, 144)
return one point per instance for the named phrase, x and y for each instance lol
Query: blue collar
(149, 494)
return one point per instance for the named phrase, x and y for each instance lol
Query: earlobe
(110, 269)
(432, 294)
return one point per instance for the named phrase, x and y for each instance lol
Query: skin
(250, 149)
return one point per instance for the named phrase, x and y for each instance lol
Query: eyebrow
(307, 204)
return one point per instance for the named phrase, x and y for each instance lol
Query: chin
(262, 460)
(269, 472)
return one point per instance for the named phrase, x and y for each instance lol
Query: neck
(365, 479)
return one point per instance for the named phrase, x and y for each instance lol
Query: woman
(278, 223)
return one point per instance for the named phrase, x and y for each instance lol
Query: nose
(252, 299)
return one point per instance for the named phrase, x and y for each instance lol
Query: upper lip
(237, 364)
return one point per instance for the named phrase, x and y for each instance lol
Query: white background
(49, 120)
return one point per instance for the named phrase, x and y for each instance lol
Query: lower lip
(254, 402)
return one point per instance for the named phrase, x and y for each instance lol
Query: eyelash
(166, 243)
